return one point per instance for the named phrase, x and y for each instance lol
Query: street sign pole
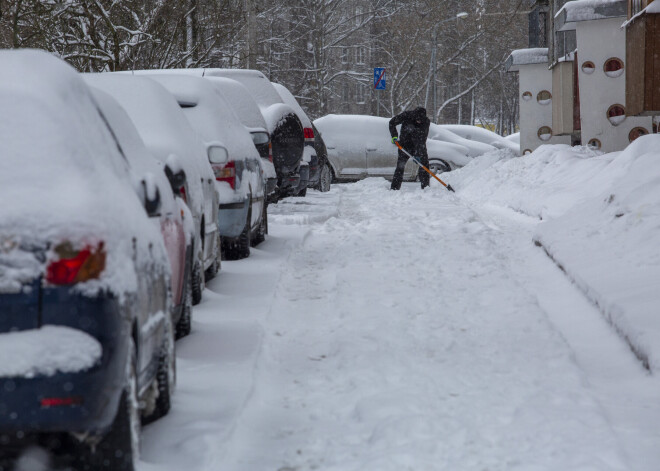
(379, 84)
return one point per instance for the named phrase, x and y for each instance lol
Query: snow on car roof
(210, 114)
(474, 148)
(62, 176)
(241, 101)
(160, 122)
(476, 133)
(139, 157)
(289, 99)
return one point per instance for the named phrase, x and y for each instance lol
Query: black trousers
(424, 177)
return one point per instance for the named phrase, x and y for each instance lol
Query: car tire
(260, 236)
(213, 270)
(119, 450)
(240, 247)
(197, 284)
(184, 324)
(325, 179)
(301, 193)
(438, 166)
(165, 377)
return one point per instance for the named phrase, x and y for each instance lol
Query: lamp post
(432, 68)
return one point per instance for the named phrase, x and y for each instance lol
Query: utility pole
(250, 11)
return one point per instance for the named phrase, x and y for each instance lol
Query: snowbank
(47, 351)
(601, 221)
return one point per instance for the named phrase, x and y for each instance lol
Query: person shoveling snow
(414, 132)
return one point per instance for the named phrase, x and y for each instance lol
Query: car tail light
(75, 266)
(270, 151)
(226, 173)
(182, 193)
(309, 134)
(60, 401)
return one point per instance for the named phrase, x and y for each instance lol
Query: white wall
(535, 78)
(598, 41)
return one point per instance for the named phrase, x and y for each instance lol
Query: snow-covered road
(379, 330)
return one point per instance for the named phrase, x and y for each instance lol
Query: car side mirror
(175, 174)
(218, 154)
(150, 195)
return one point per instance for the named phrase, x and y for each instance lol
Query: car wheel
(183, 327)
(439, 166)
(165, 376)
(197, 284)
(325, 179)
(260, 236)
(119, 450)
(240, 247)
(302, 192)
(213, 270)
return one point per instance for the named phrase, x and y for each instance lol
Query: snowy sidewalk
(402, 330)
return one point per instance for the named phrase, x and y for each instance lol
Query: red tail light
(309, 133)
(225, 173)
(182, 193)
(270, 151)
(60, 401)
(75, 266)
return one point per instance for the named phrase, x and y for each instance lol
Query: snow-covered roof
(651, 9)
(240, 99)
(209, 114)
(588, 10)
(536, 55)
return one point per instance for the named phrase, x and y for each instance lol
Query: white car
(234, 158)
(475, 133)
(170, 138)
(361, 146)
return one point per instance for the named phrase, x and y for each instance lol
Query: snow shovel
(426, 169)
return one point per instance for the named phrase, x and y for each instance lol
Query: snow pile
(537, 55)
(601, 216)
(64, 177)
(473, 148)
(47, 351)
(241, 101)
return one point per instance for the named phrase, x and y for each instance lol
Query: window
(637, 132)
(594, 144)
(344, 55)
(544, 97)
(527, 96)
(527, 151)
(359, 55)
(613, 67)
(346, 93)
(359, 93)
(616, 114)
(588, 67)
(545, 133)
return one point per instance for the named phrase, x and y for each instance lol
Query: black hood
(420, 113)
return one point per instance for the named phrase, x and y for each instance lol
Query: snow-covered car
(170, 138)
(360, 146)
(474, 148)
(248, 112)
(311, 155)
(85, 337)
(175, 224)
(475, 133)
(235, 161)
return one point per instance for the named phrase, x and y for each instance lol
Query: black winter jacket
(414, 130)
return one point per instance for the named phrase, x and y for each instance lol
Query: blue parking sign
(379, 78)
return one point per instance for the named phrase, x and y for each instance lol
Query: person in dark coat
(414, 132)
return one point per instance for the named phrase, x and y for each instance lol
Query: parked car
(360, 146)
(250, 116)
(233, 157)
(286, 131)
(84, 275)
(170, 138)
(311, 155)
(176, 224)
(474, 148)
(476, 133)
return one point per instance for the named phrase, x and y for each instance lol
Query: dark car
(85, 340)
